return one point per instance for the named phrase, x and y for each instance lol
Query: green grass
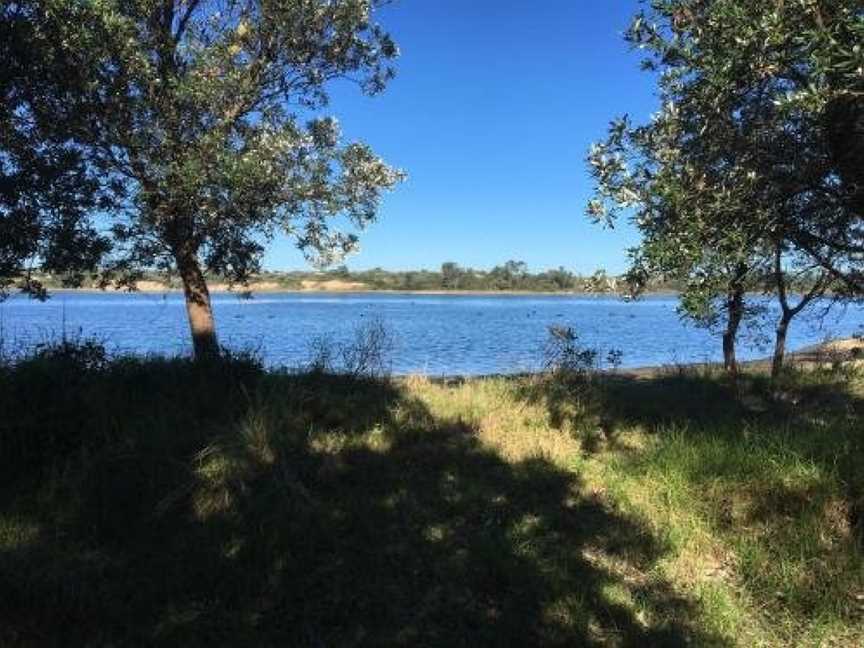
(160, 502)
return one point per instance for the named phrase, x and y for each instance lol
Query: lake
(432, 334)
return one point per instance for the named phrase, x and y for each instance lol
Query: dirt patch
(833, 351)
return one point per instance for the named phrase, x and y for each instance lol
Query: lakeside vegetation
(512, 276)
(153, 137)
(166, 501)
(208, 501)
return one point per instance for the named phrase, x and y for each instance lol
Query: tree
(739, 161)
(509, 276)
(451, 275)
(682, 195)
(802, 62)
(202, 119)
(561, 278)
(814, 286)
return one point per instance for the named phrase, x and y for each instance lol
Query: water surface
(433, 334)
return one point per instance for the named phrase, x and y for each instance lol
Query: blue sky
(491, 114)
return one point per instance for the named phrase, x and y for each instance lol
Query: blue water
(450, 334)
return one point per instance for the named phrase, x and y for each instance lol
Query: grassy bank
(154, 501)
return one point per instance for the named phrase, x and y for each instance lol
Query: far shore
(363, 291)
(339, 287)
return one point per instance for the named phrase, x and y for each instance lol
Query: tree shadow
(595, 407)
(327, 511)
(692, 398)
(717, 434)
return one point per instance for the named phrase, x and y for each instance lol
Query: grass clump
(165, 502)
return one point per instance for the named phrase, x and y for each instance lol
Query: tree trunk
(735, 307)
(198, 306)
(788, 311)
(780, 346)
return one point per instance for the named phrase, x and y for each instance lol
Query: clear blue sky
(491, 115)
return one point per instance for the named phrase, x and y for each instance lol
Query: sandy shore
(336, 287)
(843, 350)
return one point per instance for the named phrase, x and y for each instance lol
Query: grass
(159, 502)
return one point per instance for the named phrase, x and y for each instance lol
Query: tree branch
(184, 20)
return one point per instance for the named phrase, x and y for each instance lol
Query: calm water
(452, 334)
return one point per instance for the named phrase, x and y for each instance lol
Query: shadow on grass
(194, 507)
(693, 398)
(595, 407)
(774, 468)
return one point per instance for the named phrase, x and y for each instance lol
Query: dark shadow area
(169, 503)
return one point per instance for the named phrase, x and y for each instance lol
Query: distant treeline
(510, 276)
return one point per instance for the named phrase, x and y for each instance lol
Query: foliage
(564, 354)
(748, 90)
(453, 276)
(47, 191)
(365, 355)
(738, 166)
(202, 121)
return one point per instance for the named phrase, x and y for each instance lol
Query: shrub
(367, 354)
(72, 397)
(71, 355)
(564, 354)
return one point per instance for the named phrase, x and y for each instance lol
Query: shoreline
(369, 291)
(254, 291)
(841, 350)
(148, 288)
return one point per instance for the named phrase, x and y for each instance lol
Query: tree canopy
(200, 123)
(743, 163)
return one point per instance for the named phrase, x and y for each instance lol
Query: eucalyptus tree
(744, 157)
(510, 276)
(451, 275)
(561, 278)
(204, 121)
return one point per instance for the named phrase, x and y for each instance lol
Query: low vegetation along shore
(171, 502)
(511, 277)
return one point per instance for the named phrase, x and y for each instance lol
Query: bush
(564, 354)
(73, 397)
(75, 355)
(366, 355)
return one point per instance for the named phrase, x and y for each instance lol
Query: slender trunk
(780, 345)
(735, 307)
(198, 306)
(788, 312)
